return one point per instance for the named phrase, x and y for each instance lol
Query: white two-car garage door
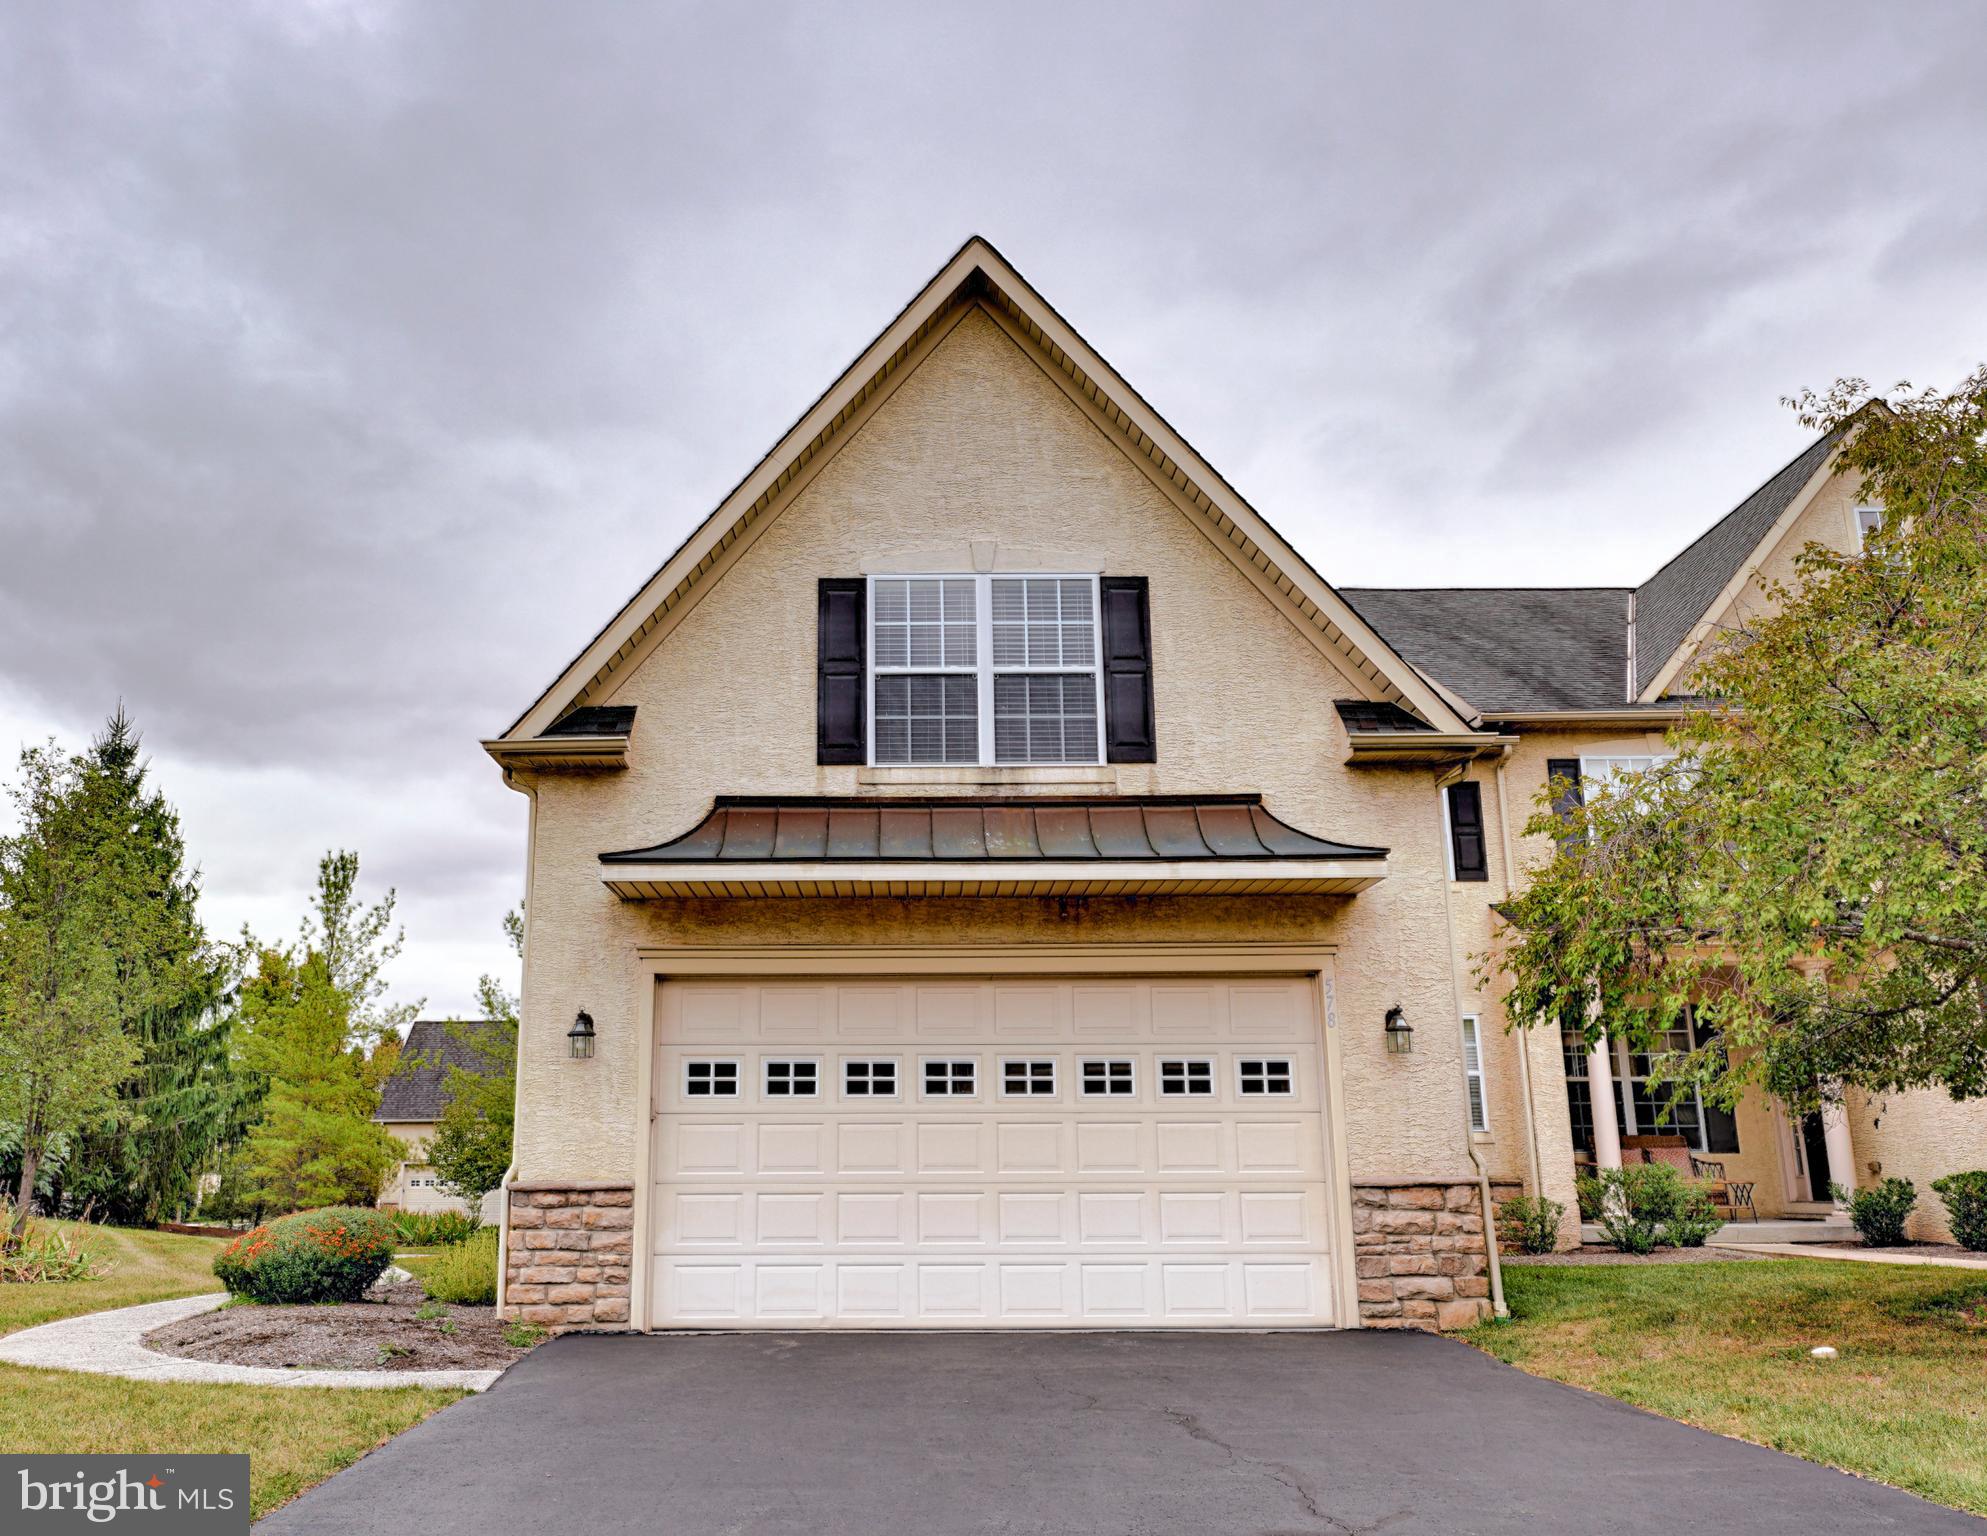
(977, 1153)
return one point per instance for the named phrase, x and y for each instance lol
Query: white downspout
(1525, 1037)
(517, 1077)
(1497, 1307)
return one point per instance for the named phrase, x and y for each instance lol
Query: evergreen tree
(315, 1142)
(181, 1101)
(89, 943)
(318, 1036)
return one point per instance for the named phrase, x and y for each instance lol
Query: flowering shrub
(328, 1255)
(48, 1253)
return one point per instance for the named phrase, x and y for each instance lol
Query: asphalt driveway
(1147, 1433)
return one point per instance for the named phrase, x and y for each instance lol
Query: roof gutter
(1373, 747)
(1641, 714)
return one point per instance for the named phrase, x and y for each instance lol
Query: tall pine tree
(181, 1102)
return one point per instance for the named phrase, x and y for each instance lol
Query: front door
(1814, 1153)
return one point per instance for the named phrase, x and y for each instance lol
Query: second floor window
(972, 670)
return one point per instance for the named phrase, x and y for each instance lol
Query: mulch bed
(1916, 1250)
(1598, 1254)
(344, 1337)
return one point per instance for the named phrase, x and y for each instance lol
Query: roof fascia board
(1263, 552)
(935, 297)
(1555, 718)
(660, 626)
(1700, 631)
(1373, 748)
(1030, 875)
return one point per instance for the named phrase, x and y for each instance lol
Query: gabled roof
(1684, 592)
(414, 1091)
(1510, 649)
(978, 275)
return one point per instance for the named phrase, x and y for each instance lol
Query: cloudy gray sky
(328, 331)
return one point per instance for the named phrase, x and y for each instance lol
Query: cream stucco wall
(1920, 1136)
(978, 444)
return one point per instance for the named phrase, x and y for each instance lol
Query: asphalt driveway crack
(1275, 1471)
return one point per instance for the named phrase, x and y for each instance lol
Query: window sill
(1059, 778)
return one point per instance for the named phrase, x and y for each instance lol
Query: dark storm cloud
(357, 360)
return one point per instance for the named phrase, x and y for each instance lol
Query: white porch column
(1841, 1150)
(1600, 1088)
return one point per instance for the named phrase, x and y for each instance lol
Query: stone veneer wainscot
(1420, 1256)
(570, 1248)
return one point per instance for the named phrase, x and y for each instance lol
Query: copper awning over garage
(1120, 845)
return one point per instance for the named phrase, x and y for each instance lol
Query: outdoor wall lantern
(579, 1039)
(1400, 1033)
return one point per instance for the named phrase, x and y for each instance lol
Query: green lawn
(1725, 1346)
(294, 1436)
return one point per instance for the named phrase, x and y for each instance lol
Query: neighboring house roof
(979, 276)
(1671, 602)
(414, 1091)
(1509, 649)
(815, 829)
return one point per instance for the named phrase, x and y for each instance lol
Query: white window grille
(1473, 1074)
(982, 670)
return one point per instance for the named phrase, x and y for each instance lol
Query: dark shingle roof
(594, 720)
(1506, 649)
(414, 1092)
(1676, 597)
(815, 829)
(1383, 715)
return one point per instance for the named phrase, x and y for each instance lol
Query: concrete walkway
(106, 1344)
(1860, 1255)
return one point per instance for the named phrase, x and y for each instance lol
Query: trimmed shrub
(466, 1274)
(1590, 1193)
(1878, 1214)
(432, 1229)
(330, 1255)
(1965, 1195)
(1696, 1219)
(1532, 1225)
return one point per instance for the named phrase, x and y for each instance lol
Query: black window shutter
(1567, 768)
(1129, 736)
(840, 719)
(1466, 831)
(1721, 1126)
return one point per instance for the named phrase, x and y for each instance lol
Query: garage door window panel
(951, 1077)
(704, 1079)
(1110, 1077)
(870, 1078)
(792, 1077)
(1186, 1077)
(1265, 1077)
(1028, 1077)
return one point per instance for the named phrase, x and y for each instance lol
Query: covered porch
(1769, 1169)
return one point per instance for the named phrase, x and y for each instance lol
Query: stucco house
(987, 878)
(410, 1105)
